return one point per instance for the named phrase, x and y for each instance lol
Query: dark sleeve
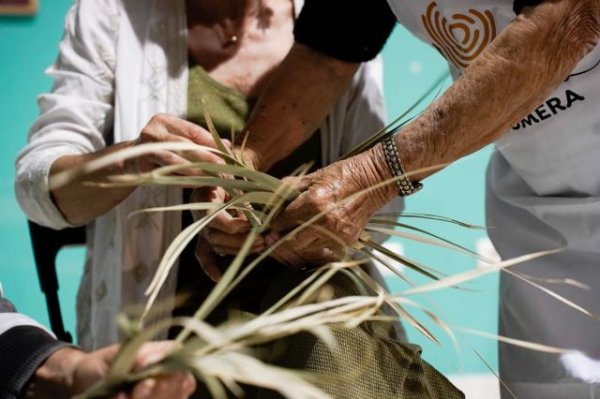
(22, 350)
(349, 30)
(519, 4)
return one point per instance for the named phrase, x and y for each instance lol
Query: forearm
(80, 202)
(278, 125)
(528, 60)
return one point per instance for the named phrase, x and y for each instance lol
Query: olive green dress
(370, 363)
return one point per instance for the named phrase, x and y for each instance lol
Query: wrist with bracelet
(392, 158)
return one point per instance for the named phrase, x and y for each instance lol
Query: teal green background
(411, 67)
(29, 45)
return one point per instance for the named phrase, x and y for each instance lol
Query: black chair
(46, 244)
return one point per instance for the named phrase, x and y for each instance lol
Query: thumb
(290, 217)
(108, 354)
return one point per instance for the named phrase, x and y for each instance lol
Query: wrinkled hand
(336, 192)
(69, 371)
(225, 235)
(168, 128)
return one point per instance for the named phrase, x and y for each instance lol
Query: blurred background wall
(29, 44)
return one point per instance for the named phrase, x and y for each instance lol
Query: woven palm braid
(405, 186)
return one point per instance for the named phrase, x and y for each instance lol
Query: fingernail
(215, 276)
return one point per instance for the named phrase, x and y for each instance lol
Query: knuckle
(160, 117)
(330, 222)
(163, 158)
(346, 231)
(322, 199)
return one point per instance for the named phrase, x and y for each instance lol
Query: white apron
(543, 192)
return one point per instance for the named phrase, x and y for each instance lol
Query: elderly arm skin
(525, 63)
(291, 108)
(529, 59)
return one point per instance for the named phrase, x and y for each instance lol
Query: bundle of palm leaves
(222, 356)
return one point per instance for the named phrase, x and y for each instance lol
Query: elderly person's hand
(345, 195)
(98, 200)
(69, 371)
(168, 128)
(225, 235)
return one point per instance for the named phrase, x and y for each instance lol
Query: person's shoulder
(101, 3)
(88, 18)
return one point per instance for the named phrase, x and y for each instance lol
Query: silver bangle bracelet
(392, 158)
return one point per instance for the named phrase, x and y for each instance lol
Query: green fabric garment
(228, 108)
(370, 362)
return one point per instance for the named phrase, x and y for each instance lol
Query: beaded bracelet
(405, 186)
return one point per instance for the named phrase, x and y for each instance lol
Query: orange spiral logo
(462, 39)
